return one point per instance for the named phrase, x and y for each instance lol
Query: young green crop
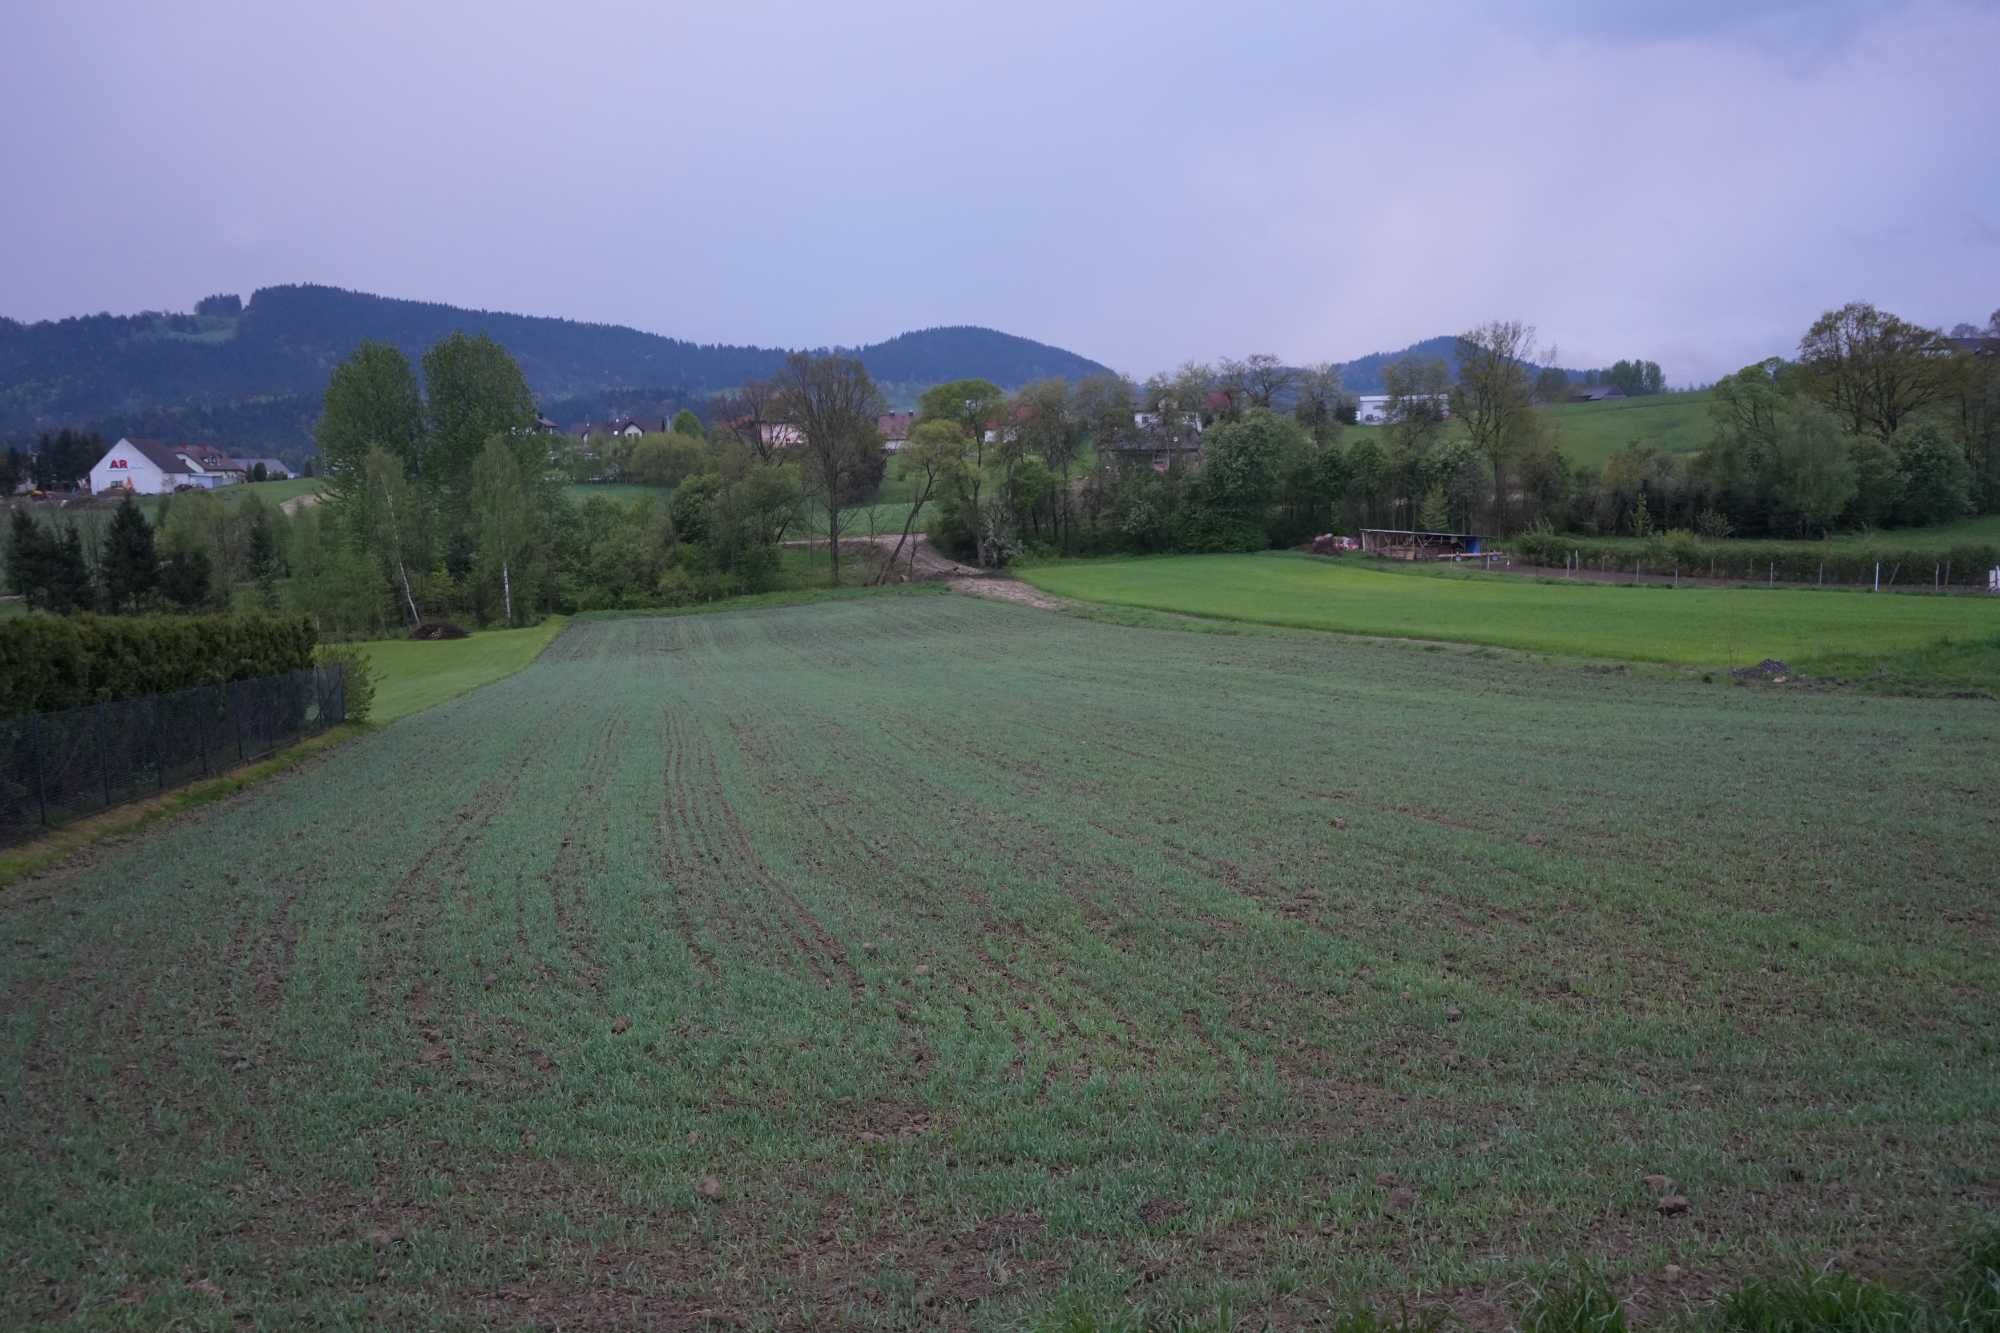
(919, 961)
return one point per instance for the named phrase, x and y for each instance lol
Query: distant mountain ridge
(1364, 374)
(256, 378)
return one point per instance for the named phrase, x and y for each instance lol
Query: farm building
(1408, 544)
(1158, 453)
(1372, 409)
(1595, 393)
(148, 467)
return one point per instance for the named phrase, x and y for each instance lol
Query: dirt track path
(927, 566)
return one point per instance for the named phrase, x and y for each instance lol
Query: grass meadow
(920, 961)
(1692, 626)
(1590, 433)
(417, 674)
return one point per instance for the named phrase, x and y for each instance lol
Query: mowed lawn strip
(923, 961)
(1693, 626)
(417, 674)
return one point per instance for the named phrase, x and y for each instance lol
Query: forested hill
(223, 375)
(1364, 374)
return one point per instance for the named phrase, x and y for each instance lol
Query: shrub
(48, 663)
(359, 671)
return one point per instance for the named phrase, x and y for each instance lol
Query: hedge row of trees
(127, 566)
(460, 506)
(55, 662)
(1691, 555)
(1878, 423)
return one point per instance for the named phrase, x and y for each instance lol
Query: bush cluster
(49, 663)
(1787, 561)
(359, 676)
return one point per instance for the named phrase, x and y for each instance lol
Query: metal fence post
(200, 728)
(41, 781)
(235, 719)
(103, 760)
(160, 741)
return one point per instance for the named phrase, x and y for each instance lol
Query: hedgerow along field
(1720, 627)
(915, 961)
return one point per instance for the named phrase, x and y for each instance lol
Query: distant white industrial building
(1372, 409)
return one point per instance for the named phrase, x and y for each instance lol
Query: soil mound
(1770, 669)
(437, 629)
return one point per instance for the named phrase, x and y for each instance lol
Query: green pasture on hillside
(1696, 626)
(1675, 423)
(924, 962)
(1590, 433)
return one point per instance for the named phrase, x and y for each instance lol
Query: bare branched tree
(1495, 396)
(1265, 378)
(834, 405)
(1318, 404)
(748, 412)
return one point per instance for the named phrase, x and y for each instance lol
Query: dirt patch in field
(1006, 590)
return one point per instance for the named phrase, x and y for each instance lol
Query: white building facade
(147, 467)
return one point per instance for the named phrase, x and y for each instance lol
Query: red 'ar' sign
(118, 462)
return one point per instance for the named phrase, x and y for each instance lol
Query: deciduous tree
(1494, 396)
(1870, 367)
(1318, 400)
(504, 516)
(371, 403)
(834, 404)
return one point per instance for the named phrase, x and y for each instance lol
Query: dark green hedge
(1847, 562)
(49, 663)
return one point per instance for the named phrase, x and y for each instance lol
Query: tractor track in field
(398, 982)
(579, 858)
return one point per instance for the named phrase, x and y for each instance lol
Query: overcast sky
(1143, 182)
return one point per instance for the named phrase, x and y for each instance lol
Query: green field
(417, 675)
(1693, 626)
(922, 962)
(1676, 423)
(1590, 433)
(1940, 537)
(272, 493)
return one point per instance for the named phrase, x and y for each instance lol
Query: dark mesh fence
(56, 767)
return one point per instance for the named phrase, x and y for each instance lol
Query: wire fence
(1929, 576)
(55, 767)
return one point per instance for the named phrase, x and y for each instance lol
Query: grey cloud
(1143, 182)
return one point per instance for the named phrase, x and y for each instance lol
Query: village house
(274, 469)
(617, 428)
(1595, 393)
(894, 427)
(780, 435)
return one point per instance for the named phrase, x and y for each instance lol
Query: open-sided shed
(1409, 544)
